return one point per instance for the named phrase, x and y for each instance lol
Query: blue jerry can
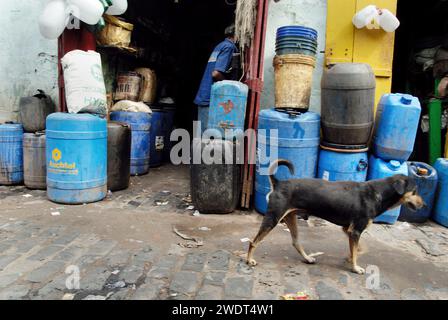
(426, 178)
(380, 169)
(11, 154)
(397, 120)
(228, 108)
(441, 205)
(76, 158)
(296, 136)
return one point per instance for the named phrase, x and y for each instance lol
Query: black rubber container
(215, 188)
(34, 111)
(348, 101)
(118, 155)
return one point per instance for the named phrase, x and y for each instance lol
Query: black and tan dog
(352, 205)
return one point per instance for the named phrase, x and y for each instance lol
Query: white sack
(131, 106)
(85, 90)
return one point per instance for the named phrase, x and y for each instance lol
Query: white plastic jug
(54, 19)
(118, 7)
(88, 11)
(388, 21)
(365, 17)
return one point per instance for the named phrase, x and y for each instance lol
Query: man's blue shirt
(220, 60)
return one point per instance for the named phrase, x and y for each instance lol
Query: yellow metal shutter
(345, 43)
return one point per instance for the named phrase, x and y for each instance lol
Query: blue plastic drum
(140, 123)
(289, 135)
(11, 154)
(76, 158)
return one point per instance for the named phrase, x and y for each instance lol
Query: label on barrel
(57, 166)
(326, 176)
(160, 143)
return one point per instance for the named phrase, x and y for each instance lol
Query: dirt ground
(126, 247)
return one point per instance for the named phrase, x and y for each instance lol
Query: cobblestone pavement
(126, 247)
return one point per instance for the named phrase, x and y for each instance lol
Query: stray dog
(352, 205)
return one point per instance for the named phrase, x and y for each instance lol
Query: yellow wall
(346, 43)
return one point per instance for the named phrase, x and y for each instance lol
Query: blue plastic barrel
(426, 178)
(168, 127)
(157, 137)
(339, 166)
(397, 121)
(140, 123)
(380, 169)
(11, 154)
(76, 158)
(228, 108)
(296, 138)
(441, 204)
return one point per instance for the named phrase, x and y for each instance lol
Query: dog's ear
(400, 186)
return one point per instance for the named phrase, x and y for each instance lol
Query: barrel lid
(353, 76)
(35, 134)
(289, 115)
(241, 87)
(117, 124)
(75, 122)
(406, 99)
(11, 126)
(394, 164)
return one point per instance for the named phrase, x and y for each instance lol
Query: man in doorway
(217, 70)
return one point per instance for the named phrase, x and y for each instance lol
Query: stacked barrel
(216, 176)
(348, 101)
(397, 121)
(288, 130)
(296, 49)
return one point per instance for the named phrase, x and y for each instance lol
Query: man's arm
(218, 76)
(223, 62)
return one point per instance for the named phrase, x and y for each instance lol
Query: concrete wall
(310, 13)
(27, 61)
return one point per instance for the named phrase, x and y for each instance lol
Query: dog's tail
(273, 169)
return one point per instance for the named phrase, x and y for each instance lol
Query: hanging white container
(118, 7)
(388, 21)
(88, 11)
(54, 19)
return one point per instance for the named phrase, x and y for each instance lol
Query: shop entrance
(175, 39)
(423, 30)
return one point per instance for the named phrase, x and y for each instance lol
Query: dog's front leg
(353, 239)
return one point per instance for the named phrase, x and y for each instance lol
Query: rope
(246, 19)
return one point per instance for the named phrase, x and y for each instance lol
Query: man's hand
(443, 86)
(218, 76)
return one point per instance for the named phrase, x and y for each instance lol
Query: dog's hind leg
(291, 222)
(269, 223)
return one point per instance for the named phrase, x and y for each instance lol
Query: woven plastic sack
(85, 91)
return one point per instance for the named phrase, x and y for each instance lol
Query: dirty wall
(27, 60)
(310, 13)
